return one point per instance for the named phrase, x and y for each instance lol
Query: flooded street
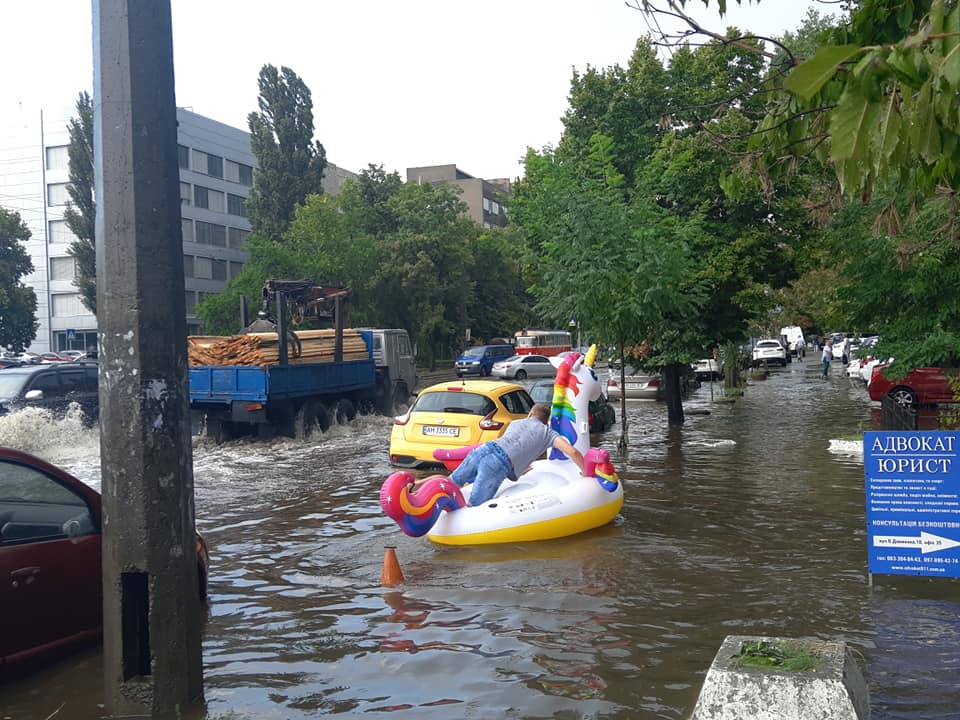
(741, 522)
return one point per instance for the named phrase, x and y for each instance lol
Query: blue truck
(295, 399)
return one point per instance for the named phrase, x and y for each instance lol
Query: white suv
(767, 352)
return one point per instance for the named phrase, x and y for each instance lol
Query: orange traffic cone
(392, 575)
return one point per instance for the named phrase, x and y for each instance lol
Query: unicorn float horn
(417, 512)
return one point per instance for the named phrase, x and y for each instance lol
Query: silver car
(521, 367)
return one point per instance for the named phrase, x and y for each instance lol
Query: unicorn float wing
(552, 499)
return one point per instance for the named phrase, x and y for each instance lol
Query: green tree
(290, 164)
(622, 269)
(18, 303)
(423, 281)
(81, 211)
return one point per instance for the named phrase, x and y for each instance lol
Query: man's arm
(564, 446)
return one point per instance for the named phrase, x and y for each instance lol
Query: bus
(542, 342)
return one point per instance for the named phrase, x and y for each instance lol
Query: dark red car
(921, 386)
(50, 594)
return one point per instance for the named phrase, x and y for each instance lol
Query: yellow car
(455, 414)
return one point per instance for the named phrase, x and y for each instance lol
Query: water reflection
(740, 522)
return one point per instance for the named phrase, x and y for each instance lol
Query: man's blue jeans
(486, 467)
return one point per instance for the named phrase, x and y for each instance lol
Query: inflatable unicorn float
(551, 499)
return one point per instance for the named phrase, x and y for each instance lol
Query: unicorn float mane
(575, 386)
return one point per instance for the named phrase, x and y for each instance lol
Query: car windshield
(11, 383)
(473, 352)
(768, 344)
(454, 402)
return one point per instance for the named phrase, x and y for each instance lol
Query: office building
(216, 174)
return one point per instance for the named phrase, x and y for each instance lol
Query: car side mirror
(33, 395)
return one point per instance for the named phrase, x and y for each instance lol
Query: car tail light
(654, 383)
(403, 419)
(612, 383)
(488, 423)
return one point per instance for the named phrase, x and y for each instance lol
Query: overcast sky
(422, 82)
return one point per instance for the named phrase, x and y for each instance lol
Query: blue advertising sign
(913, 502)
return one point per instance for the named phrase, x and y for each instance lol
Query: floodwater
(742, 522)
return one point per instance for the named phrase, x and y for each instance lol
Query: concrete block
(835, 690)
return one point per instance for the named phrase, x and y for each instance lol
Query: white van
(796, 342)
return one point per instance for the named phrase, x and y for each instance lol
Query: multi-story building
(216, 174)
(483, 197)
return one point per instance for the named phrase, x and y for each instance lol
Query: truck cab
(396, 367)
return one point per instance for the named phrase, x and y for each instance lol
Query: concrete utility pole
(151, 619)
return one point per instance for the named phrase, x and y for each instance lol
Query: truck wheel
(311, 417)
(345, 411)
(401, 399)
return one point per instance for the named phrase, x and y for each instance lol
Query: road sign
(913, 502)
(71, 334)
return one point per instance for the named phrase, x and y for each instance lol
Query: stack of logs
(264, 348)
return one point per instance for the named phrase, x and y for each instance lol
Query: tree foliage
(410, 255)
(290, 164)
(81, 212)
(18, 303)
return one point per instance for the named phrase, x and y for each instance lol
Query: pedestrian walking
(826, 358)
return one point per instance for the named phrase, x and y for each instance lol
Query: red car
(921, 386)
(51, 595)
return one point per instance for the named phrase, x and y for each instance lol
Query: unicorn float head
(575, 386)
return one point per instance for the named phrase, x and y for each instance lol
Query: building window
(63, 268)
(236, 205)
(183, 157)
(199, 161)
(211, 233)
(208, 199)
(486, 204)
(184, 193)
(58, 158)
(190, 299)
(238, 173)
(57, 194)
(67, 305)
(235, 268)
(59, 232)
(207, 164)
(214, 166)
(203, 268)
(186, 229)
(494, 207)
(237, 238)
(220, 270)
(188, 266)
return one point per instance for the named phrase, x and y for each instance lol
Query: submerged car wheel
(904, 397)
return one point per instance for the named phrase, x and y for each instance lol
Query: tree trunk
(673, 376)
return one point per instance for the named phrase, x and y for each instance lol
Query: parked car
(27, 358)
(50, 527)
(520, 367)
(53, 387)
(602, 414)
(769, 351)
(72, 354)
(921, 386)
(479, 359)
(6, 362)
(638, 385)
(453, 415)
(52, 357)
(707, 369)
